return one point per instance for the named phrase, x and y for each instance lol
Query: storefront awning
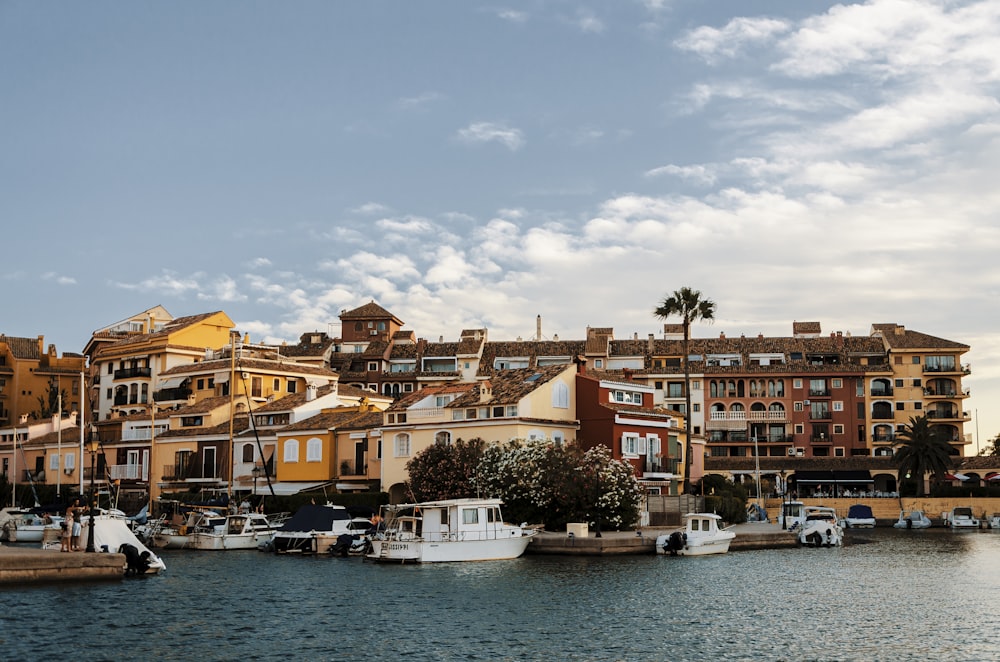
(830, 477)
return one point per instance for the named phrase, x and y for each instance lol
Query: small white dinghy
(701, 536)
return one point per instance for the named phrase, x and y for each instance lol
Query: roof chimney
(538, 327)
(310, 392)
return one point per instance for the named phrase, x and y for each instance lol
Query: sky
(473, 164)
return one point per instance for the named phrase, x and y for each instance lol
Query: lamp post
(92, 447)
(256, 471)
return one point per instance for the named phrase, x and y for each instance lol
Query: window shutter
(642, 446)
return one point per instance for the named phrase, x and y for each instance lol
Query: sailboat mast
(232, 411)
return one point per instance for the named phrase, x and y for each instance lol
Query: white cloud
(166, 283)
(588, 22)
(698, 174)
(512, 15)
(58, 279)
(484, 132)
(729, 41)
(371, 208)
(258, 262)
(418, 101)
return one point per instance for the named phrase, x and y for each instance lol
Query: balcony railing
(826, 415)
(882, 392)
(348, 468)
(132, 373)
(819, 392)
(821, 439)
(882, 415)
(181, 472)
(129, 472)
(166, 394)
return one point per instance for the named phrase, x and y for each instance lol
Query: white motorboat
(793, 515)
(994, 521)
(915, 519)
(21, 525)
(112, 536)
(859, 516)
(448, 530)
(962, 518)
(178, 532)
(352, 543)
(311, 530)
(821, 528)
(245, 531)
(701, 536)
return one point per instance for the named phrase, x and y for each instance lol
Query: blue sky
(470, 164)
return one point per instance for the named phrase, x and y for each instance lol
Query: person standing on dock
(77, 527)
(67, 527)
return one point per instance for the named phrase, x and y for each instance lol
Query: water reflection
(886, 595)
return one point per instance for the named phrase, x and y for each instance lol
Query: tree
(689, 305)
(48, 402)
(445, 471)
(992, 448)
(922, 450)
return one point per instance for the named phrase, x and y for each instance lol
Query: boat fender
(183, 530)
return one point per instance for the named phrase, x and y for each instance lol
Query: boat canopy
(859, 511)
(314, 517)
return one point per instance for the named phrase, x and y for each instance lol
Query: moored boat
(448, 530)
(821, 528)
(113, 536)
(915, 519)
(701, 536)
(311, 529)
(21, 525)
(859, 516)
(243, 531)
(793, 515)
(962, 518)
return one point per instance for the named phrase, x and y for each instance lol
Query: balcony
(170, 394)
(825, 415)
(951, 367)
(348, 468)
(132, 373)
(883, 438)
(182, 472)
(129, 472)
(819, 393)
(820, 439)
(777, 416)
(882, 392)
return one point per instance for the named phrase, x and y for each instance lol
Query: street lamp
(256, 471)
(92, 447)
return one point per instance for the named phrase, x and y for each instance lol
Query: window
(471, 414)
(838, 451)
(916, 360)
(799, 428)
(314, 450)
(292, 450)
(276, 385)
(899, 383)
(838, 429)
(290, 386)
(898, 360)
(470, 516)
(797, 406)
(442, 400)
(512, 410)
(695, 407)
(633, 445)
(557, 438)
(560, 396)
(372, 366)
(796, 383)
(837, 383)
(442, 438)
(256, 387)
(900, 406)
(918, 405)
(695, 384)
(838, 405)
(675, 389)
(53, 462)
(599, 363)
(248, 452)
(916, 383)
(401, 445)
(70, 460)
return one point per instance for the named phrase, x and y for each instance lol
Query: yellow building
(527, 403)
(29, 372)
(126, 370)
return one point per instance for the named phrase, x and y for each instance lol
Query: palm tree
(689, 305)
(922, 450)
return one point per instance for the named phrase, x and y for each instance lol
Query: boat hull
(216, 542)
(422, 551)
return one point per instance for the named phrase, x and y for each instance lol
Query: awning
(830, 477)
(994, 477)
(173, 382)
(956, 476)
(288, 488)
(221, 377)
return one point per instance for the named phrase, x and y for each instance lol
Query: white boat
(112, 536)
(246, 531)
(311, 529)
(179, 533)
(915, 519)
(21, 525)
(994, 521)
(352, 543)
(962, 518)
(821, 528)
(448, 530)
(701, 536)
(859, 516)
(793, 515)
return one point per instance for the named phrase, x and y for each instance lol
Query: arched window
(292, 450)
(314, 450)
(776, 406)
(401, 445)
(737, 406)
(560, 396)
(780, 388)
(757, 406)
(731, 392)
(443, 438)
(248, 452)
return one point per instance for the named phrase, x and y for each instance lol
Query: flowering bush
(445, 471)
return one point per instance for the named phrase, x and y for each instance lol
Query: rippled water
(886, 595)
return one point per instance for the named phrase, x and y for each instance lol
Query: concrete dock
(753, 535)
(31, 565)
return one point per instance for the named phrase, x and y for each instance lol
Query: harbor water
(886, 595)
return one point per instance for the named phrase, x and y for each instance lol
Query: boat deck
(751, 535)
